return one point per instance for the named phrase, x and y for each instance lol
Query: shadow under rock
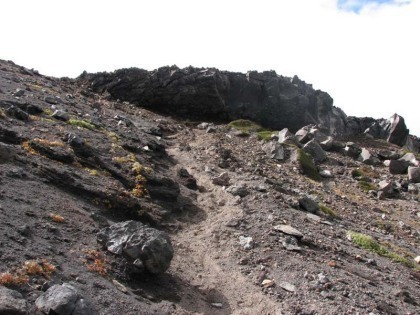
(172, 288)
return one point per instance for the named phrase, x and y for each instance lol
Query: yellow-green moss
(307, 165)
(245, 125)
(265, 134)
(82, 123)
(368, 243)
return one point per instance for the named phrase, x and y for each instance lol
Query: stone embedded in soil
(134, 240)
(61, 115)
(12, 302)
(287, 229)
(291, 243)
(246, 242)
(308, 204)
(64, 299)
(221, 180)
(315, 150)
(236, 190)
(287, 286)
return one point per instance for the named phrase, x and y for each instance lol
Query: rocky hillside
(179, 191)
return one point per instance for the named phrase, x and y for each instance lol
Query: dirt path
(205, 251)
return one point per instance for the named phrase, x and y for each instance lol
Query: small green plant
(328, 211)
(48, 111)
(245, 125)
(307, 165)
(366, 186)
(368, 243)
(82, 123)
(265, 134)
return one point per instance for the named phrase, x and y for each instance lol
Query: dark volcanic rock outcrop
(272, 100)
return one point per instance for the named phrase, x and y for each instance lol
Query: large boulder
(285, 136)
(143, 246)
(64, 299)
(398, 166)
(274, 150)
(368, 158)
(269, 99)
(414, 174)
(352, 150)
(392, 130)
(12, 302)
(315, 150)
(410, 158)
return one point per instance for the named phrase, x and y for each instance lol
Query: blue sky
(358, 5)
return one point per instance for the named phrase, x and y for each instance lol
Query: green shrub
(307, 165)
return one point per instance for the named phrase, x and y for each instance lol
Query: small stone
(291, 243)
(221, 180)
(211, 129)
(326, 174)
(267, 283)
(246, 242)
(19, 92)
(417, 259)
(217, 305)
(287, 229)
(203, 126)
(287, 286)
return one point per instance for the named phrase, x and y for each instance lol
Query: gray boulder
(327, 144)
(274, 150)
(285, 136)
(386, 189)
(308, 204)
(303, 135)
(398, 166)
(17, 113)
(7, 152)
(392, 130)
(315, 150)
(410, 158)
(352, 150)
(368, 158)
(414, 174)
(64, 299)
(139, 244)
(389, 155)
(61, 115)
(12, 302)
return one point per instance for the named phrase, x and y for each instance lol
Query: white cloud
(368, 62)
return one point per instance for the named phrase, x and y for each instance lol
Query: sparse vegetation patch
(82, 123)
(308, 166)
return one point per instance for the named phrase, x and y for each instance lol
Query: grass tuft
(328, 211)
(366, 186)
